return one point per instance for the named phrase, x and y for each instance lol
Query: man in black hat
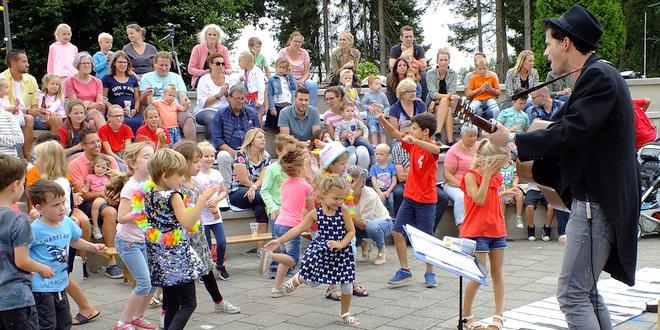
(592, 148)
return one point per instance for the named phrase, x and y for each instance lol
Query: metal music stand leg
(460, 303)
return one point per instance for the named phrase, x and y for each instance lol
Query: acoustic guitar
(544, 173)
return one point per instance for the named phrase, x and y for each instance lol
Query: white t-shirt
(370, 207)
(285, 96)
(129, 232)
(204, 181)
(66, 186)
(18, 93)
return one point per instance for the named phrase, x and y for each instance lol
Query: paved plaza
(531, 270)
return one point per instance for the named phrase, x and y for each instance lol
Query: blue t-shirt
(512, 117)
(158, 83)
(51, 247)
(15, 232)
(383, 175)
(120, 92)
(397, 111)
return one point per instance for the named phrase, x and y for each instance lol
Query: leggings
(179, 302)
(212, 287)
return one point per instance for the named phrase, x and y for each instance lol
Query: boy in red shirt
(152, 130)
(484, 89)
(115, 135)
(419, 195)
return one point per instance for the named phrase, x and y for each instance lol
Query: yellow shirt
(29, 89)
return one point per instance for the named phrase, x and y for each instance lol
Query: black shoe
(84, 267)
(222, 272)
(531, 233)
(437, 138)
(546, 233)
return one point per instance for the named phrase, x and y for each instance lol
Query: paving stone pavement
(531, 270)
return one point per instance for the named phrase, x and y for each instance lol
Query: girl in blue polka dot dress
(329, 258)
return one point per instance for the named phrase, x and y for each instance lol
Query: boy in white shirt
(253, 80)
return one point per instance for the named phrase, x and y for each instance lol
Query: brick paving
(531, 270)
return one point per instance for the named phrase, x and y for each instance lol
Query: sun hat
(331, 151)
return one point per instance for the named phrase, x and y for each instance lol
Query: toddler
(168, 109)
(510, 193)
(351, 131)
(383, 176)
(11, 135)
(346, 80)
(373, 98)
(253, 80)
(413, 73)
(95, 181)
(61, 53)
(254, 44)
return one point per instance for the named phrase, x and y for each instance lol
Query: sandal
(333, 294)
(497, 323)
(293, 283)
(470, 324)
(359, 291)
(155, 301)
(350, 319)
(80, 319)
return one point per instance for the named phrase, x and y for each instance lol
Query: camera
(173, 26)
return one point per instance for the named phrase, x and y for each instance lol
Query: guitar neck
(463, 112)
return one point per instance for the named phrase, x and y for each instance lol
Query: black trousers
(53, 309)
(20, 318)
(179, 302)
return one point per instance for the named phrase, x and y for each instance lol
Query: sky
(436, 32)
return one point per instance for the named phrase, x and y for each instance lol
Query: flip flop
(82, 319)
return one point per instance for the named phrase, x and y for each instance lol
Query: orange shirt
(485, 220)
(168, 113)
(476, 82)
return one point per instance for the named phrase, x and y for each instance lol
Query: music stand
(431, 250)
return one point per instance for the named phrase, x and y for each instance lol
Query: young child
(351, 131)
(383, 176)
(484, 88)
(270, 188)
(191, 188)
(152, 130)
(374, 97)
(51, 99)
(115, 135)
(61, 53)
(168, 109)
(281, 91)
(419, 195)
(69, 132)
(510, 193)
(17, 305)
(103, 57)
(413, 73)
(254, 44)
(515, 119)
(53, 233)
(95, 181)
(533, 199)
(253, 80)
(169, 216)
(346, 81)
(329, 258)
(11, 135)
(296, 193)
(211, 218)
(484, 224)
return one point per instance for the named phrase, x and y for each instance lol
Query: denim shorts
(374, 125)
(486, 244)
(290, 248)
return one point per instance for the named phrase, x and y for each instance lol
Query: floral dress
(322, 264)
(197, 239)
(169, 264)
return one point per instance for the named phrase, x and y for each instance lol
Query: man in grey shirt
(300, 119)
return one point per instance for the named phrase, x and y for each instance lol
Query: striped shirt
(11, 135)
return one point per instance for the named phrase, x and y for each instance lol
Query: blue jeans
(218, 230)
(205, 118)
(122, 167)
(313, 89)
(491, 110)
(486, 244)
(375, 230)
(134, 122)
(290, 248)
(576, 289)
(134, 256)
(175, 135)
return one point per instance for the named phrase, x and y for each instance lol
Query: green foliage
(464, 32)
(609, 14)
(33, 23)
(633, 53)
(366, 69)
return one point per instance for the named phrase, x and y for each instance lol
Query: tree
(633, 53)
(609, 14)
(465, 33)
(501, 40)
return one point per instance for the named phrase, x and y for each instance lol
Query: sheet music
(434, 250)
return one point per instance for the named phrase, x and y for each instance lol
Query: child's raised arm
(189, 219)
(391, 130)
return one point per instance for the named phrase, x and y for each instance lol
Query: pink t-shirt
(333, 119)
(297, 66)
(294, 195)
(96, 183)
(79, 168)
(129, 232)
(457, 157)
(83, 92)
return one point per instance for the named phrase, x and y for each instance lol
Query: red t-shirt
(485, 220)
(145, 134)
(63, 132)
(420, 186)
(116, 139)
(644, 130)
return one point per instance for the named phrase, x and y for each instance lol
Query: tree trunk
(500, 40)
(326, 37)
(351, 18)
(527, 34)
(480, 28)
(364, 28)
(381, 37)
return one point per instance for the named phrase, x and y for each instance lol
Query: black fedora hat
(578, 23)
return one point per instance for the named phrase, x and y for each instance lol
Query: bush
(366, 69)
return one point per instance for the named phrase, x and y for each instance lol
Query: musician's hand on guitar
(500, 137)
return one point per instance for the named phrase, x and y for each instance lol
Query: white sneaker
(562, 239)
(227, 307)
(96, 232)
(277, 293)
(519, 221)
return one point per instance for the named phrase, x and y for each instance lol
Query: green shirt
(260, 61)
(270, 188)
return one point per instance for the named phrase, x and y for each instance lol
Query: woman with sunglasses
(210, 42)
(212, 92)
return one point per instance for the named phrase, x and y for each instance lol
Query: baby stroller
(649, 158)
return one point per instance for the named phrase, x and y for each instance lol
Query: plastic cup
(254, 228)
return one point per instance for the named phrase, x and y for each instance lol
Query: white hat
(333, 150)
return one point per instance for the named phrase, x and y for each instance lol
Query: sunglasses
(219, 63)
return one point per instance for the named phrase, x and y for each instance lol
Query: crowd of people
(121, 163)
